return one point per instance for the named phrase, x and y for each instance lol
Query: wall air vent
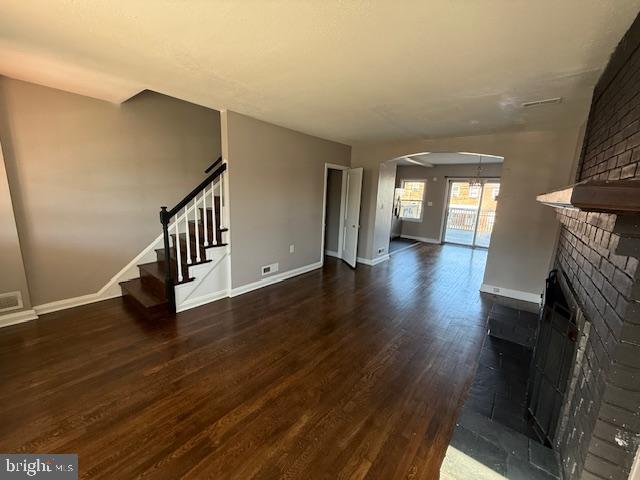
(10, 301)
(545, 101)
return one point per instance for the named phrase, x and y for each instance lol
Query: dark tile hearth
(482, 449)
(492, 438)
(499, 387)
(513, 324)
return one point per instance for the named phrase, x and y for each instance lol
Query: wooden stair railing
(194, 225)
(213, 165)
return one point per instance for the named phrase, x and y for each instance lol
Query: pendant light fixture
(476, 182)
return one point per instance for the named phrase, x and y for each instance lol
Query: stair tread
(144, 296)
(160, 251)
(217, 245)
(156, 269)
(192, 241)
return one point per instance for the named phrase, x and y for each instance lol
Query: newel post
(165, 218)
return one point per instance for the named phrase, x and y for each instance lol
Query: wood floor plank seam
(337, 373)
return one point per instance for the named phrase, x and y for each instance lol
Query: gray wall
(332, 217)
(276, 186)
(525, 232)
(12, 276)
(436, 190)
(88, 178)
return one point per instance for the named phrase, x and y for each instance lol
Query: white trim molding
(17, 317)
(112, 288)
(507, 292)
(413, 245)
(234, 292)
(197, 302)
(331, 253)
(421, 239)
(375, 261)
(74, 302)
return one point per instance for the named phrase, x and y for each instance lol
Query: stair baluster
(204, 212)
(195, 208)
(223, 204)
(177, 247)
(213, 212)
(187, 236)
(146, 292)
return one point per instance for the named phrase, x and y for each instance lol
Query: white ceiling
(346, 70)
(429, 159)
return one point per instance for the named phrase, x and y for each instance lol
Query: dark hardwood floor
(333, 374)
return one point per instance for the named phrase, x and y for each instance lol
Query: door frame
(343, 195)
(445, 208)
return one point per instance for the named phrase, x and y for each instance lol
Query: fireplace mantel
(612, 196)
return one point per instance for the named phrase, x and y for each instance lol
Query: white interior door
(352, 216)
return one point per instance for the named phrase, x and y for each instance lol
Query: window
(411, 200)
(474, 191)
(455, 191)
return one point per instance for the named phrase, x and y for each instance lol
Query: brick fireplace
(597, 255)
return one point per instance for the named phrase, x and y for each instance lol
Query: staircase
(191, 229)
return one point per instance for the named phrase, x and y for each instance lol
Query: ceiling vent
(10, 301)
(545, 101)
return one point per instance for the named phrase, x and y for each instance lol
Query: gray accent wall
(88, 177)
(276, 184)
(436, 188)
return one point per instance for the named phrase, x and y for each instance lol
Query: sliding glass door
(471, 212)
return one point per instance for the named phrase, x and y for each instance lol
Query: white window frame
(424, 192)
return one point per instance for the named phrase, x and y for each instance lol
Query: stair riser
(152, 283)
(154, 313)
(192, 233)
(174, 267)
(218, 216)
(173, 263)
(192, 244)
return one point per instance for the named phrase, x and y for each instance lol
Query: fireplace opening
(552, 361)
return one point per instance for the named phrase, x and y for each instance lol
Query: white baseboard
(515, 294)
(197, 302)
(74, 302)
(273, 279)
(17, 317)
(421, 239)
(413, 245)
(331, 253)
(112, 287)
(372, 262)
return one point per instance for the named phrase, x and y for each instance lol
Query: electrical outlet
(496, 289)
(269, 269)
(292, 248)
(380, 250)
(429, 204)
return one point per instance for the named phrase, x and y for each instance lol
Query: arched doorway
(444, 197)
